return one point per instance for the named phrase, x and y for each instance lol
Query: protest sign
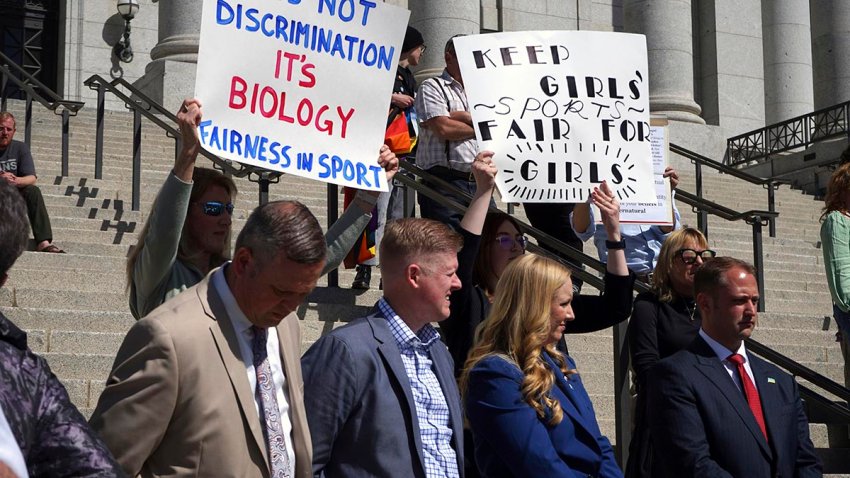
(658, 212)
(300, 86)
(562, 110)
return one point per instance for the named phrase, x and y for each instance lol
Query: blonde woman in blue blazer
(529, 412)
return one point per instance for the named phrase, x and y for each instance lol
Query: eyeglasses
(507, 242)
(422, 48)
(215, 208)
(689, 256)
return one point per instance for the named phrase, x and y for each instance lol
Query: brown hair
(483, 261)
(14, 227)
(202, 180)
(661, 285)
(284, 227)
(406, 239)
(839, 185)
(712, 274)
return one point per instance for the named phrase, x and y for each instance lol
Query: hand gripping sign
(562, 110)
(299, 86)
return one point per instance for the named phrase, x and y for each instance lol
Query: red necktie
(750, 391)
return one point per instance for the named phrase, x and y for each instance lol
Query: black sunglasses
(507, 242)
(689, 256)
(215, 208)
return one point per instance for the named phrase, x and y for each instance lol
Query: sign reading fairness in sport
(562, 110)
(300, 86)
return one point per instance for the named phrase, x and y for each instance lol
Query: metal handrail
(800, 131)
(799, 370)
(141, 105)
(58, 105)
(698, 160)
(754, 218)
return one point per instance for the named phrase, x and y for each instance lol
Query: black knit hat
(412, 39)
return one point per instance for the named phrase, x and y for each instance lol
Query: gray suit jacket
(360, 406)
(178, 401)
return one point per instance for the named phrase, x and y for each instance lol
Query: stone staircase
(74, 306)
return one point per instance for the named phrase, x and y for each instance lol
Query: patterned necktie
(750, 391)
(269, 411)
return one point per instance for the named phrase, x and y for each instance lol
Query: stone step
(44, 319)
(63, 299)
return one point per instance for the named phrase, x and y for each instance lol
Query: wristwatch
(614, 245)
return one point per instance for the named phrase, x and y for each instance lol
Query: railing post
(263, 183)
(137, 158)
(333, 215)
(771, 206)
(98, 144)
(622, 394)
(758, 258)
(66, 120)
(3, 80)
(702, 216)
(28, 122)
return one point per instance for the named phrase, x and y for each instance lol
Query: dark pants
(554, 219)
(37, 212)
(431, 209)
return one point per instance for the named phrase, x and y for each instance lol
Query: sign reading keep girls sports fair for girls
(563, 111)
(299, 86)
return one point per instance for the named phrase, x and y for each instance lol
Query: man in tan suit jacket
(179, 400)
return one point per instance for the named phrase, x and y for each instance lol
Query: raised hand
(484, 171)
(609, 207)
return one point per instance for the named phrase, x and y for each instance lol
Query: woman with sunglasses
(187, 233)
(493, 240)
(664, 321)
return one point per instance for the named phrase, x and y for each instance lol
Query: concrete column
(667, 25)
(439, 20)
(170, 77)
(831, 52)
(788, 89)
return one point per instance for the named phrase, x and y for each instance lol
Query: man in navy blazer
(717, 411)
(380, 392)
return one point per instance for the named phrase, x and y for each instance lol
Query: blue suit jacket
(705, 427)
(360, 406)
(510, 439)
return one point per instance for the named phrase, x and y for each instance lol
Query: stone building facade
(718, 68)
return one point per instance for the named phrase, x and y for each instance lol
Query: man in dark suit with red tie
(717, 411)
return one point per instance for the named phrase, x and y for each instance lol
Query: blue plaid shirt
(432, 410)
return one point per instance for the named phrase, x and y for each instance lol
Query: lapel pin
(771, 380)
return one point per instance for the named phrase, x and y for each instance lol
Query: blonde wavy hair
(519, 326)
(661, 284)
(839, 185)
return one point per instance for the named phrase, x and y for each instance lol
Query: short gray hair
(284, 227)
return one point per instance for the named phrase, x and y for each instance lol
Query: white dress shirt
(723, 353)
(242, 326)
(10, 452)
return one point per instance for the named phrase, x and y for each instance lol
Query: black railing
(699, 161)
(142, 105)
(35, 90)
(756, 219)
(756, 146)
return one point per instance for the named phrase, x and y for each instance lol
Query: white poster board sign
(562, 110)
(658, 212)
(300, 86)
